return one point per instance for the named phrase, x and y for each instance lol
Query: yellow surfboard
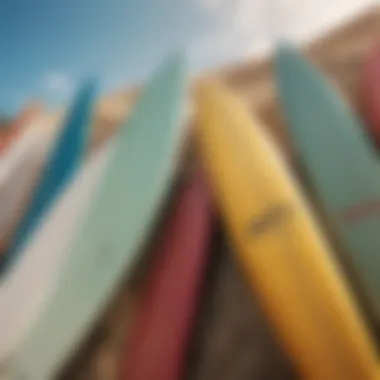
(279, 246)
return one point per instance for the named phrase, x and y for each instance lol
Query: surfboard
(278, 244)
(117, 224)
(62, 162)
(340, 162)
(25, 289)
(19, 168)
(157, 349)
(369, 93)
(17, 125)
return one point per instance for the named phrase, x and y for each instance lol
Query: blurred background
(48, 47)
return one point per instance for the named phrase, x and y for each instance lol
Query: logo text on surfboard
(273, 216)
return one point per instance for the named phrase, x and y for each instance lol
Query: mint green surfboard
(107, 246)
(340, 162)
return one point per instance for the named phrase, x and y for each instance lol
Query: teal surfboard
(62, 162)
(340, 164)
(116, 227)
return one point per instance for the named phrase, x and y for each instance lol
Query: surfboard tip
(174, 63)
(287, 60)
(88, 88)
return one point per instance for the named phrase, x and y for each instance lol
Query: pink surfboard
(369, 93)
(163, 324)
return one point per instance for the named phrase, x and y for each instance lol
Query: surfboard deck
(17, 126)
(279, 247)
(340, 161)
(63, 160)
(116, 226)
(19, 168)
(157, 349)
(369, 93)
(25, 290)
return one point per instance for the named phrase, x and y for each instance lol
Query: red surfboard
(156, 348)
(369, 93)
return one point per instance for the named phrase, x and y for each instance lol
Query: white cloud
(210, 4)
(58, 82)
(239, 30)
(244, 28)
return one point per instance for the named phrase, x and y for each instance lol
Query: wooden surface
(232, 339)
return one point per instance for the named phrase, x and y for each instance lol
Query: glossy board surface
(61, 164)
(119, 221)
(279, 246)
(18, 125)
(19, 168)
(340, 163)
(369, 93)
(162, 327)
(25, 289)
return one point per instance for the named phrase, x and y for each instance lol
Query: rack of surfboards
(84, 223)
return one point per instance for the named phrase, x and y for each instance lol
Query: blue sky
(47, 46)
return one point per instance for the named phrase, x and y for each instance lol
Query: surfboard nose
(310, 103)
(88, 87)
(291, 68)
(83, 103)
(169, 78)
(172, 68)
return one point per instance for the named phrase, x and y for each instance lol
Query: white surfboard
(19, 168)
(24, 290)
